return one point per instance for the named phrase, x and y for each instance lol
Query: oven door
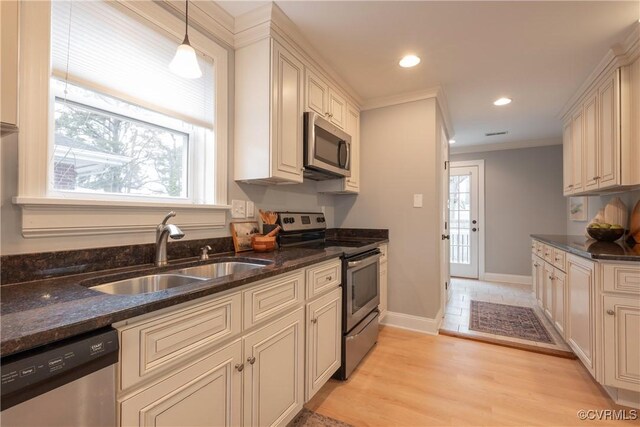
(362, 287)
(327, 148)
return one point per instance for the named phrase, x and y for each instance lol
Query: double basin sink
(175, 278)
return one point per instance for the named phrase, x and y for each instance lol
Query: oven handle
(353, 337)
(352, 264)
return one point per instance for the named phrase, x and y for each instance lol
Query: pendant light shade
(185, 63)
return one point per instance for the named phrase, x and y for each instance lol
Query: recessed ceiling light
(502, 101)
(452, 141)
(409, 61)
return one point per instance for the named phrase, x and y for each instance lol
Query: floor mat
(307, 418)
(508, 320)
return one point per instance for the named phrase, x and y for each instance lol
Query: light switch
(417, 200)
(238, 209)
(251, 209)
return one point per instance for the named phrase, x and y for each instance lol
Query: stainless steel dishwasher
(68, 383)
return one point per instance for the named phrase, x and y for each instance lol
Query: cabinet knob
(550, 277)
(251, 360)
(314, 321)
(595, 178)
(329, 278)
(240, 367)
(570, 186)
(611, 312)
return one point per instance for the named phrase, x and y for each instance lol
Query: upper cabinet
(325, 100)
(601, 133)
(9, 66)
(268, 114)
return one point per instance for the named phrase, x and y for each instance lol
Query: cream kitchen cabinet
(269, 106)
(559, 291)
(325, 100)
(567, 159)
(384, 284)
(349, 185)
(577, 144)
(537, 274)
(274, 372)
(9, 66)
(590, 143)
(608, 142)
(581, 276)
(547, 284)
(207, 392)
(324, 326)
(621, 349)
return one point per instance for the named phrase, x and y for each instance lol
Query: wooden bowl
(263, 244)
(605, 234)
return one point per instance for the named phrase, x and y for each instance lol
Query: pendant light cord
(186, 24)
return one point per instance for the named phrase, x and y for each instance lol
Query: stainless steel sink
(219, 269)
(146, 284)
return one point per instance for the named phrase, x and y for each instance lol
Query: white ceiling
(537, 53)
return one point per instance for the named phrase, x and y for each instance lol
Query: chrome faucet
(163, 232)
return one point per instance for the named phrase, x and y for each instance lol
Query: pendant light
(185, 63)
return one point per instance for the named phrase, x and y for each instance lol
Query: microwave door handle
(348, 162)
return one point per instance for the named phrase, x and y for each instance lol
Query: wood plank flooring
(412, 379)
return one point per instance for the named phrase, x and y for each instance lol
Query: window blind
(107, 48)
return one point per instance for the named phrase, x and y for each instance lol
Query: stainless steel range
(360, 282)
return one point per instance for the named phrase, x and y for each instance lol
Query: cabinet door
(609, 142)
(206, 393)
(559, 289)
(274, 372)
(353, 128)
(580, 309)
(590, 143)
(337, 109)
(286, 112)
(9, 72)
(537, 270)
(621, 342)
(324, 336)
(577, 153)
(567, 158)
(317, 94)
(547, 280)
(384, 293)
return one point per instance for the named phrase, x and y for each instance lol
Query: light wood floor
(412, 379)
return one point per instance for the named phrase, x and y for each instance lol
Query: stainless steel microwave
(327, 149)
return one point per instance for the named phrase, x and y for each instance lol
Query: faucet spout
(163, 232)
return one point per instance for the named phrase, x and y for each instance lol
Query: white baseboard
(413, 323)
(507, 278)
(624, 397)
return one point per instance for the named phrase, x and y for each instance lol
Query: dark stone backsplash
(36, 266)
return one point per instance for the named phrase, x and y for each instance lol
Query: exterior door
(444, 220)
(463, 220)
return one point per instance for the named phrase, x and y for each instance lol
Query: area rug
(307, 418)
(509, 321)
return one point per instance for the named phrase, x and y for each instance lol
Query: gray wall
(523, 196)
(399, 159)
(594, 204)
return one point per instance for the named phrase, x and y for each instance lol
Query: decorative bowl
(263, 243)
(606, 234)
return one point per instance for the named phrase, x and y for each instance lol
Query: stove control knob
(291, 220)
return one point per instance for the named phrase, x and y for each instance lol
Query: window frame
(47, 214)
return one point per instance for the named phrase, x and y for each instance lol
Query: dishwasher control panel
(53, 365)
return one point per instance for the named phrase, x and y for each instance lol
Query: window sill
(58, 217)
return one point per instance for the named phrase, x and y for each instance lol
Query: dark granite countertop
(592, 249)
(44, 311)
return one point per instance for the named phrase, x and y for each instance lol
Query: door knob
(474, 222)
(445, 236)
(474, 229)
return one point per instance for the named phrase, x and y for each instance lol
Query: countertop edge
(585, 253)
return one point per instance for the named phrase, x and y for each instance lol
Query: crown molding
(513, 145)
(436, 92)
(619, 55)
(207, 17)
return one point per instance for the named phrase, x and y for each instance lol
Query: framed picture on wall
(242, 232)
(578, 208)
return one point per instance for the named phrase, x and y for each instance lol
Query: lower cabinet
(559, 289)
(621, 336)
(580, 319)
(274, 372)
(205, 393)
(324, 326)
(537, 274)
(547, 280)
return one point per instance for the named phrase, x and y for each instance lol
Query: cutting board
(634, 224)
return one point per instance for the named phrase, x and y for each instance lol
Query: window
(110, 139)
(124, 126)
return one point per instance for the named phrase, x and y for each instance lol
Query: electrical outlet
(238, 209)
(417, 200)
(251, 209)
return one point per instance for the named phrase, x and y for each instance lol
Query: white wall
(523, 196)
(594, 204)
(399, 158)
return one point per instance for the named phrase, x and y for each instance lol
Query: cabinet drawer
(157, 344)
(547, 252)
(274, 296)
(323, 277)
(383, 251)
(534, 247)
(560, 259)
(540, 249)
(621, 278)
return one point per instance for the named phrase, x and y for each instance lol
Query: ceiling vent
(504, 132)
